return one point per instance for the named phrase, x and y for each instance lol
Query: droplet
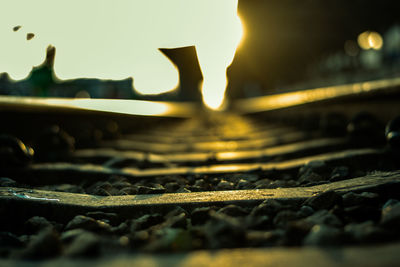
(30, 36)
(16, 28)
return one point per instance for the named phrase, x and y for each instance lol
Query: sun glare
(117, 39)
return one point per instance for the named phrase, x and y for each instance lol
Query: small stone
(200, 215)
(310, 178)
(268, 207)
(391, 214)
(258, 222)
(323, 235)
(123, 228)
(100, 215)
(305, 211)
(70, 235)
(351, 199)
(150, 190)
(36, 224)
(7, 182)
(223, 231)
(225, 185)
(100, 189)
(46, 244)
(172, 187)
(130, 190)
(339, 173)
(201, 183)
(324, 217)
(283, 217)
(88, 223)
(86, 244)
(244, 184)
(264, 238)
(295, 232)
(325, 200)
(367, 232)
(176, 211)
(146, 221)
(392, 132)
(177, 221)
(263, 183)
(316, 166)
(233, 210)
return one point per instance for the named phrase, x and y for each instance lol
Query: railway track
(298, 172)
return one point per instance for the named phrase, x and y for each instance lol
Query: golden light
(114, 40)
(370, 40)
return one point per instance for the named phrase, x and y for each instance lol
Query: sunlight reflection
(118, 39)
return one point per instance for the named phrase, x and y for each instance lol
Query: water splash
(117, 39)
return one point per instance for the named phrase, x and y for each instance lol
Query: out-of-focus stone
(325, 200)
(323, 235)
(88, 224)
(391, 214)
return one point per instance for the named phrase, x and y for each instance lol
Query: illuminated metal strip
(52, 172)
(166, 148)
(116, 203)
(218, 156)
(283, 100)
(113, 106)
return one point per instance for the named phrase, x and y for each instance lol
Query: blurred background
(287, 45)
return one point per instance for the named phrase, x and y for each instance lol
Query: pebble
(283, 217)
(223, 231)
(233, 210)
(200, 215)
(150, 190)
(325, 200)
(268, 207)
(100, 215)
(36, 224)
(88, 224)
(123, 228)
(85, 244)
(366, 232)
(225, 185)
(7, 182)
(314, 166)
(244, 184)
(305, 211)
(339, 173)
(364, 198)
(323, 235)
(324, 217)
(392, 133)
(172, 187)
(46, 244)
(258, 222)
(391, 214)
(146, 221)
(69, 235)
